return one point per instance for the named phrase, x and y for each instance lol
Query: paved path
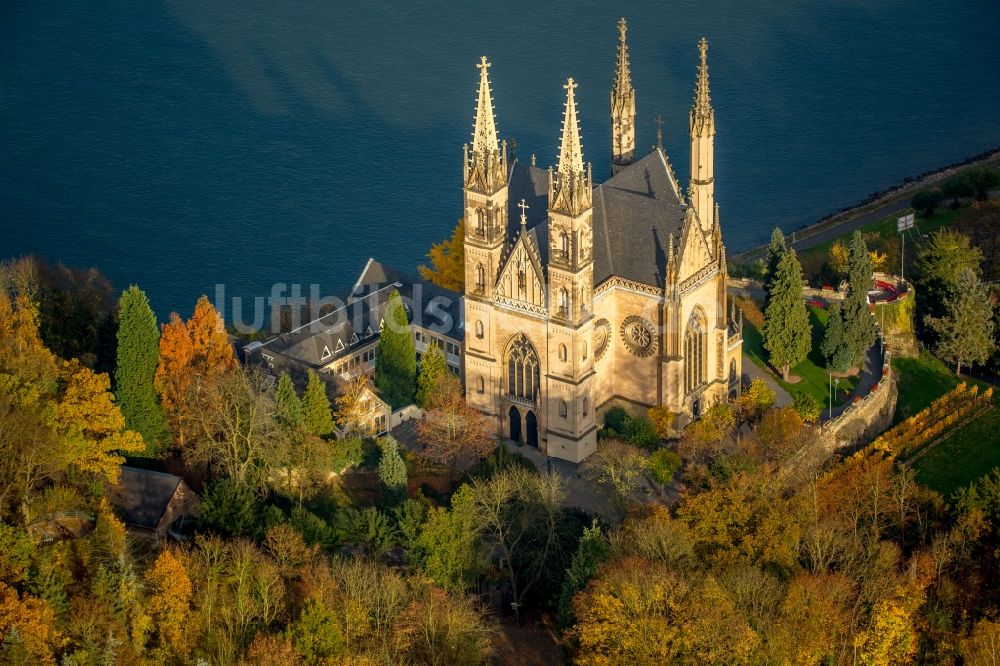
(752, 371)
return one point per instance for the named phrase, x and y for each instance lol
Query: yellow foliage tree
(663, 420)
(170, 602)
(447, 261)
(838, 257)
(91, 425)
(878, 259)
(890, 637)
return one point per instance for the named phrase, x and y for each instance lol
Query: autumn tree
(778, 431)
(663, 420)
(237, 433)
(708, 434)
(965, 330)
(518, 514)
(193, 356)
(396, 362)
(432, 368)
(787, 333)
(169, 603)
(138, 356)
(755, 400)
(27, 628)
(317, 419)
(447, 261)
(618, 467)
(355, 410)
(838, 257)
(454, 433)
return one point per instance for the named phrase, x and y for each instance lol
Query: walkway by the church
(581, 493)
(751, 371)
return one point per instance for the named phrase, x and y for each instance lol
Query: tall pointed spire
(701, 191)
(623, 75)
(702, 112)
(622, 107)
(484, 134)
(570, 150)
(486, 167)
(570, 185)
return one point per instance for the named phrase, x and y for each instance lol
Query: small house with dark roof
(152, 502)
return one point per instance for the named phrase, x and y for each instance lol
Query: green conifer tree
(965, 331)
(836, 348)
(590, 553)
(396, 363)
(391, 474)
(787, 333)
(287, 406)
(859, 326)
(775, 251)
(432, 367)
(137, 356)
(316, 416)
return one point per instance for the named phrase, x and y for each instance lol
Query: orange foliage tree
(170, 602)
(454, 433)
(195, 352)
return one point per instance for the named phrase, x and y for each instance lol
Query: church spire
(622, 107)
(570, 185)
(702, 113)
(486, 167)
(570, 150)
(484, 134)
(701, 191)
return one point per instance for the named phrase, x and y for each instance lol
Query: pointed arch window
(523, 370)
(694, 351)
(480, 222)
(563, 302)
(479, 329)
(481, 387)
(562, 352)
(480, 278)
(564, 245)
(585, 405)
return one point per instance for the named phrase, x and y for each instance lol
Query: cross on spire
(523, 206)
(659, 131)
(623, 74)
(570, 150)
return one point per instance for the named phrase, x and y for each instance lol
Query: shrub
(314, 530)
(638, 430)
(808, 407)
(615, 418)
(663, 464)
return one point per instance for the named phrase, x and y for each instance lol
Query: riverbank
(872, 209)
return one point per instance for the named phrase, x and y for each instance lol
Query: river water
(189, 143)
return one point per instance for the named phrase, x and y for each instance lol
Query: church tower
(622, 108)
(570, 420)
(485, 181)
(701, 192)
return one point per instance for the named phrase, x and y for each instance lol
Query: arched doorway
(532, 429)
(515, 424)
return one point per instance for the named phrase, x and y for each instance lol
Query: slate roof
(356, 323)
(144, 495)
(634, 214)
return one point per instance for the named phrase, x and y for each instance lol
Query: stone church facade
(579, 296)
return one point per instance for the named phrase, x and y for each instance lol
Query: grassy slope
(812, 373)
(966, 454)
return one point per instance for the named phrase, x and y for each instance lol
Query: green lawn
(814, 379)
(964, 455)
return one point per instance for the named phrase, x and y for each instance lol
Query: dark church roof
(144, 496)
(634, 214)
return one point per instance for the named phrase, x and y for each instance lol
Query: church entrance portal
(515, 424)
(532, 429)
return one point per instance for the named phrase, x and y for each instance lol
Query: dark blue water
(189, 143)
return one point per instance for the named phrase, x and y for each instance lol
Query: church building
(580, 296)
